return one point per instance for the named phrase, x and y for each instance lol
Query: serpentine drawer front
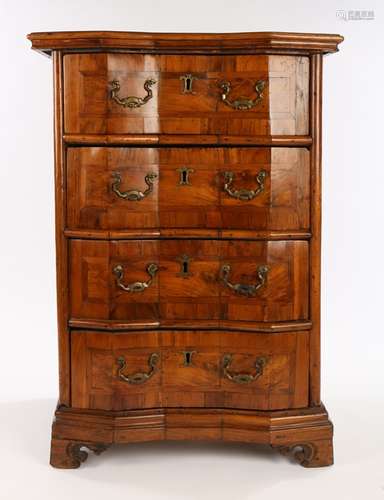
(234, 95)
(191, 369)
(189, 280)
(188, 213)
(239, 188)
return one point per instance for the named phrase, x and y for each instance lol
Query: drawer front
(189, 369)
(230, 95)
(161, 280)
(234, 188)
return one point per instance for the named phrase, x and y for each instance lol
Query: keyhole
(188, 357)
(188, 85)
(185, 268)
(184, 176)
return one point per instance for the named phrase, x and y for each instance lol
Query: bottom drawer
(122, 371)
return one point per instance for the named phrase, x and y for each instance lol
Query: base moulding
(305, 434)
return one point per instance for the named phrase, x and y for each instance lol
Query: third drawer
(194, 280)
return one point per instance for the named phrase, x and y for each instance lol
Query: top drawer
(256, 95)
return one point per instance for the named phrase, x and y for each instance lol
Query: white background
(353, 275)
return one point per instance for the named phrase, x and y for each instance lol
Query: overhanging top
(208, 43)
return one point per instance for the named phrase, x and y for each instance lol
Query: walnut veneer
(188, 210)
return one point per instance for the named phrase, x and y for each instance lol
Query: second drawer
(234, 188)
(164, 280)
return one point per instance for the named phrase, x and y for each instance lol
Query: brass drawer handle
(244, 194)
(139, 377)
(133, 194)
(132, 101)
(243, 378)
(240, 288)
(242, 103)
(138, 286)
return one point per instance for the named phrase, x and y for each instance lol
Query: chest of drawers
(188, 208)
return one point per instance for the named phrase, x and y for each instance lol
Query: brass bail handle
(242, 103)
(131, 102)
(243, 378)
(133, 194)
(137, 286)
(244, 194)
(242, 288)
(138, 377)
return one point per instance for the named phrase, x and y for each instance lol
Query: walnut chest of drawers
(188, 199)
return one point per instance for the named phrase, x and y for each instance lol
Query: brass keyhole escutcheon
(187, 80)
(185, 261)
(188, 358)
(184, 176)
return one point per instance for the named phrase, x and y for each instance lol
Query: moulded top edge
(217, 43)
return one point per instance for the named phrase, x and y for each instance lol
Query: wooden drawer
(189, 369)
(235, 188)
(151, 94)
(192, 280)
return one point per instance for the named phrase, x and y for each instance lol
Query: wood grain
(192, 353)
(96, 385)
(181, 233)
(61, 242)
(289, 431)
(202, 203)
(315, 243)
(199, 296)
(112, 325)
(184, 139)
(184, 43)
(283, 109)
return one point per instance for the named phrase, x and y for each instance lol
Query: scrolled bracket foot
(309, 454)
(66, 454)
